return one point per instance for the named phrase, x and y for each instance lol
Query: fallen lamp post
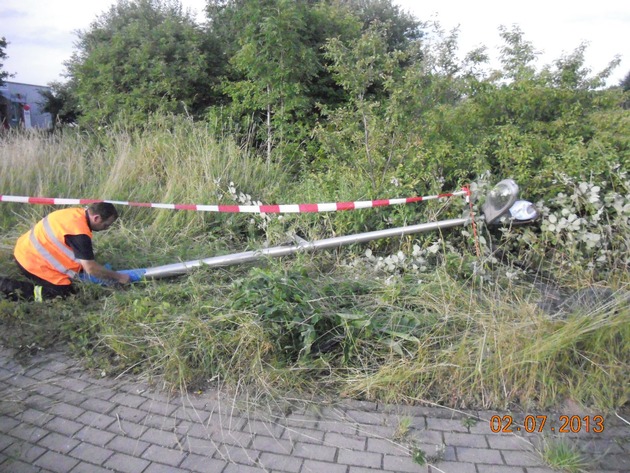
(501, 205)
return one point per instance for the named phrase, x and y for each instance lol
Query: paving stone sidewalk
(57, 417)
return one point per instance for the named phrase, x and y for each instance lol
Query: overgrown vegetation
(504, 317)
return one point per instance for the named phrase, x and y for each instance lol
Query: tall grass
(177, 161)
(434, 322)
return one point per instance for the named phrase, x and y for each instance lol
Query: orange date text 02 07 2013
(536, 423)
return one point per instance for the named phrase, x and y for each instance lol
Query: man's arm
(82, 247)
(101, 272)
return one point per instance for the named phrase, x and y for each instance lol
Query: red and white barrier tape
(291, 208)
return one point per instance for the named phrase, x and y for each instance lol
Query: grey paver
(164, 438)
(508, 442)
(357, 458)
(446, 425)
(35, 417)
(129, 414)
(386, 446)
(615, 461)
(258, 427)
(500, 469)
(5, 441)
(434, 437)
(126, 428)
(128, 446)
(126, 463)
(402, 464)
(56, 462)
(285, 463)
(168, 456)
(199, 446)
(7, 423)
(20, 381)
(18, 466)
(94, 435)
(129, 400)
(228, 437)
(234, 454)
(91, 453)
(46, 389)
(300, 421)
(521, 458)
(202, 464)
(235, 468)
(299, 434)
(58, 442)
(37, 401)
(465, 440)
(479, 455)
(456, 467)
(24, 451)
(94, 419)
(28, 432)
(314, 452)
(89, 468)
(313, 466)
(159, 468)
(63, 409)
(97, 405)
(349, 428)
(334, 439)
(272, 445)
(63, 426)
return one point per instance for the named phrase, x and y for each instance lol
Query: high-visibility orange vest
(42, 251)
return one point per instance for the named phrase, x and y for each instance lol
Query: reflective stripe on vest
(46, 254)
(60, 246)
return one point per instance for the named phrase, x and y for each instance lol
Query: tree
(276, 64)
(3, 55)
(625, 83)
(362, 67)
(402, 28)
(141, 57)
(277, 75)
(517, 55)
(60, 101)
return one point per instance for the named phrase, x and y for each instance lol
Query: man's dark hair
(104, 209)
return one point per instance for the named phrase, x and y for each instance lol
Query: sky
(42, 34)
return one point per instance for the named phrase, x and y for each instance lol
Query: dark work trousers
(49, 290)
(15, 290)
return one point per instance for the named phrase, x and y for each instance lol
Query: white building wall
(30, 95)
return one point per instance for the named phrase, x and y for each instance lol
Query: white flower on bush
(261, 220)
(591, 239)
(435, 247)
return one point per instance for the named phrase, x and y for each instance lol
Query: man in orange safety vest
(59, 247)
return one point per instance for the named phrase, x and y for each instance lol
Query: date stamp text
(536, 423)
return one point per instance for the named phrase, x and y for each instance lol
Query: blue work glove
(85, 277)
(135, 275)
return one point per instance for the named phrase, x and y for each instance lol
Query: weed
(469, 422)
(561, 454)
(404, 425)
(419, 456)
